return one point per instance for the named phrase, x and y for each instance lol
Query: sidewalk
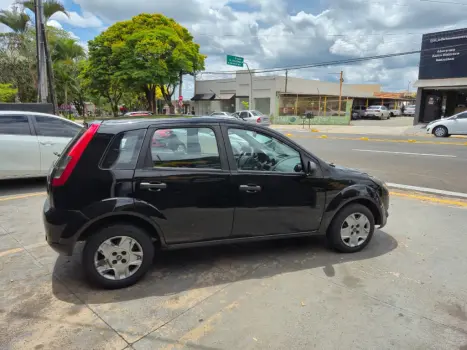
(417, 130)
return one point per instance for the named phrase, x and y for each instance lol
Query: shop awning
(203, 97)
(225, 96)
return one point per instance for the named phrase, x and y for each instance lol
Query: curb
(426, 190)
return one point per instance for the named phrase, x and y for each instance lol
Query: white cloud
(54, 23)
(87, 20)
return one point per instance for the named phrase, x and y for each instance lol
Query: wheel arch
(121, 218)
(364, 196)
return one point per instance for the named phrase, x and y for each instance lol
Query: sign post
(239, 62)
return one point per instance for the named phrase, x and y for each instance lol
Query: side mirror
(298, 168)
(312, 168)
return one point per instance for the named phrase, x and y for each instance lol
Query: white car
(381, 112)
(409, 110)
(455, 125)
(30, 142)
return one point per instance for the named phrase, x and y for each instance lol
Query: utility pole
(50, 72)
(408, 87)
(251, 102)
(340, 91)
(41, 61)
(180, 88)
(286, 77)
(319, 103)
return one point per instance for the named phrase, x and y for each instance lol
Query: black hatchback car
(125, 192)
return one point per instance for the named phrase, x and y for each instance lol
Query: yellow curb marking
(21, 196)
(11, 251)
(314, 130)
(364, 138)
(324, 136)
(446, 201)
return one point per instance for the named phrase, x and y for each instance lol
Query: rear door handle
(47, 143)
(250, 188)
(152, 186)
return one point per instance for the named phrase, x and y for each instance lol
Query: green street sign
(234, 61)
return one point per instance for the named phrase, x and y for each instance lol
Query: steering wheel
(241, 163)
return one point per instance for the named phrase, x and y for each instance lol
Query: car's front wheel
(440, 131)
(351, 229)
(117, 256)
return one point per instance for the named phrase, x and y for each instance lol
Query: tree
(51, 7)
(7, 93)
(149, 51)
(16, 20)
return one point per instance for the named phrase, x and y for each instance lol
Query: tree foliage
(7, 93)
(149, 51)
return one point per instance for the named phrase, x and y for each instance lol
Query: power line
(337, 62)
(445, 2)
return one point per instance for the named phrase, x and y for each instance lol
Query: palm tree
(65, 55)
(51, 7)
(16, 20)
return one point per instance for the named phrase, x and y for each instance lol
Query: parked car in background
(220, 114)
(358, 112)
(380, 112)
(255, 117)
(138, 114)
(235, 182)
(30, 142)
(409, 110)
(394, 112)
(455, 125)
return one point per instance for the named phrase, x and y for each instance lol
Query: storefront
(442, 78)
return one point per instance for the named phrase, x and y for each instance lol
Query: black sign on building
(444, 55)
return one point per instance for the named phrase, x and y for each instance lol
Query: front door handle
(250, 188)
(153, 186)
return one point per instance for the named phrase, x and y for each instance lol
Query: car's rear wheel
(351, 229)
(440, 131)
(391, 115)
(117, 256)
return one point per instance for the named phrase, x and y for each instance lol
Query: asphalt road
(429, 162)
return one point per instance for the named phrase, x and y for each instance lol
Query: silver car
(30, 142)
(409, 110)
(255, 117)
(380, 112)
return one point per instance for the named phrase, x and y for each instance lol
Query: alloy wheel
(355, 230)
(118, 258)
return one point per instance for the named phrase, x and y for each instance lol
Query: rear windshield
(124, 150)
(374, 107)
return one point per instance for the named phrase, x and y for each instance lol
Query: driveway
(407, 290)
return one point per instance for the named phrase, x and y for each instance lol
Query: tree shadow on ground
(179, 271)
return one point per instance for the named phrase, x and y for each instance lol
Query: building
(283, 96)
(442, 77)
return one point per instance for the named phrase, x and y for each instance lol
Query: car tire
(141, 240)
(391, 115)
(336, 234)
(440, 131)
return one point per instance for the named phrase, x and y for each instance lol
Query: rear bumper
(61, 228)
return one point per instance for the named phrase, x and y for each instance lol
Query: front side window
(55, 127)
(462, 115)
(244, 115)
(185, 148)
(14, 125)
(259, 152)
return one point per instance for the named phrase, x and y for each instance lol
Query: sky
(284, 33)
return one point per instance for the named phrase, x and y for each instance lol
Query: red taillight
(68, 162)
(258, 120)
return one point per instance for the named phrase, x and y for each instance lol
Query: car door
(274, 194)
(190, 185)
(19, 148)
(53, 134)
(460, 124)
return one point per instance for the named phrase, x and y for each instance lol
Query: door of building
(432, 108)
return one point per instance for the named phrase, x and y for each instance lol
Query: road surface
(429, 162)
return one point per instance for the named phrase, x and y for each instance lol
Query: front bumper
(61, 228)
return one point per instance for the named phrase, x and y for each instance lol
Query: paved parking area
(407, 290)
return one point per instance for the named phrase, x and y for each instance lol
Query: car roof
(27, 112)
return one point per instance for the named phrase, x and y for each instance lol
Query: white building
(274, 95)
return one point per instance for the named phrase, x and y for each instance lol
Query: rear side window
(55, 127)
(185, 148)
(14, 125)
(124, 150)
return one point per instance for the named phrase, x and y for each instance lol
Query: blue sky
(281, 33)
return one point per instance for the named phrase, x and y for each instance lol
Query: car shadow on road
(179, 271)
